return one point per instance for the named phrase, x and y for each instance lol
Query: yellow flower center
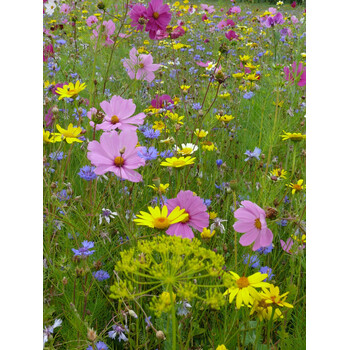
(141, 65)
(119, 161)
(258, 224)
(186, 150)
(179, 162)
(242, 282)
(161, 223)
(114, 119)
(297, 187)
(155, 15)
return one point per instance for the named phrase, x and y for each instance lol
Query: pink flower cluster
(156, 17)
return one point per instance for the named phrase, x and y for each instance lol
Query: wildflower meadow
(174, 177)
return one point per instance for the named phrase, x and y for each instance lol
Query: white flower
(184, 305)
(50, 7)
(217, 224)
(107, 215)
(186, 149)
(49, 330)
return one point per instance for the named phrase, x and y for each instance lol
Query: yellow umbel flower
(178, 162)
(272, 296)
(71, 134)
(70, 90)
(201, 133)
(296, 187)
(244, 288)
(293, 136)
(162, 188)
(160, 219)
(207, 234)
(49, 137)
(224, 118)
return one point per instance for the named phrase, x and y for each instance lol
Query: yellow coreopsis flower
(278, 173)
(201, 133)
(208, 146)
(251, 66)
(70, 90)
(293, 136)
(49, 137)
(162, 188)
(244, 288)
(224, 118)
(207, 234)
(175, 117)
(71, 134)
(160, 219)
(244, 58)
(185, 88)
(252, 77)
(158, 125)
(272, 296)
(296, 187)
(178, 162)
(238, 75)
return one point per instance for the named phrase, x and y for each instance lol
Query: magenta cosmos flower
(252, 222)
(138, 16)
(300, 74)
(140, 66)
(198, 217)
(116, 153)
(158, 15)
(119, 115)
(161, 101)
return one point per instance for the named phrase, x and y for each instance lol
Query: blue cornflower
(119, 330)
(196, 106)
(167, 154)
(286, 200)
(100, 345)
(219, 162)
(151, 133)
(268, 270)
(87, 173)
(57, 155)
(60, 41)
(196, 57)
(84, 250)
(207, 202)
(63, 196)
(172, 74)
(248, 95)
(101, 275)
(282, 223)
(148, 322)
(253, 260)
(148, 154)
(265, 250)
(255, 154)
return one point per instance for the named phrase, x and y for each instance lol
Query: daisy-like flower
(138, 16)
(71, 134)
(158, 15)
(160, 219)
(117, 153)
(119, 113)
(70, 90)
(186, 149)
(244, 288)
(50, 7)
(49, 137)
(264, 311)
(238, 75)
(201, 133)
(277, 174)
(272, 296)
(208, 146)
(159, 125)
(296, 187)
(224, 118)
(107, 215)
(140, 67)
(161, 189)
(294, 136)
(49, 330)
(197, 217)
(217, 224)
(175, 117)
(252, 222)
(244, 58)
(207, 233)
(178, 162)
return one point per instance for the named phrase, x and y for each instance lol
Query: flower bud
(132, 313)
(271, 213)
(55, 109)
(160, 335)
(101, 5)
(91, 335)
(64, 281)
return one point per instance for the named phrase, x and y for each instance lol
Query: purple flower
(148, 154)
(255, 154)
(265, 250)
(268, 270)
(101, 275)
(100, 345)
(248, 95)
(84, 250)
(167, 154)
(49, 330)
(252, 260)
(87, 173)
(151, 133)
(119, 330)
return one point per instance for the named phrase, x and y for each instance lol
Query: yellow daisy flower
(212, 215)
(71, 134)
(70, 90)
(296, 187)
(175, 117)
(224, 118)
(264, 311)
(238, 75)
(272, 296)
(162, 188)
(160, 219)
(293, 136)
(278, 173)
(49, 137)
(208, 146)
(158, 125)
(178, 162)
(244, 58)
(244, 288)
(201, 133)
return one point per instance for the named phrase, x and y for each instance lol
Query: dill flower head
(168, 265)
(160, 219)
(70, 90)
(243, 288)
(178, 162)
(294, 136)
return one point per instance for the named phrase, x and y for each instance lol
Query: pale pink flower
(91, 20)
(108, 29)
(116, 153)
(65, 9)
(119, 113)
(252, 222)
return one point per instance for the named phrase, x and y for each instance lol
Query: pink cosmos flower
(91, 114)
(196, 210)
(140, 66)
(177, 32)
(161, 34)
(158, 15)
(294, 20)
(65, 9)
(47, 52)
(291, 74)
(252, 222)
(204, 18)
(138, 16)
(116, 153)
(108, 29)
(91, 20)
(161, 101)
(119, 115)
(272, 10)
(230, 35)
(235, 9)
(287, 246)
(208, 9)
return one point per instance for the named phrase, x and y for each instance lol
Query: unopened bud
(271, 213)
(122, 151)
(132, 313)
(55, 110)
(91, 335)
(64, 281)
(101, 5)
(160, 335)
